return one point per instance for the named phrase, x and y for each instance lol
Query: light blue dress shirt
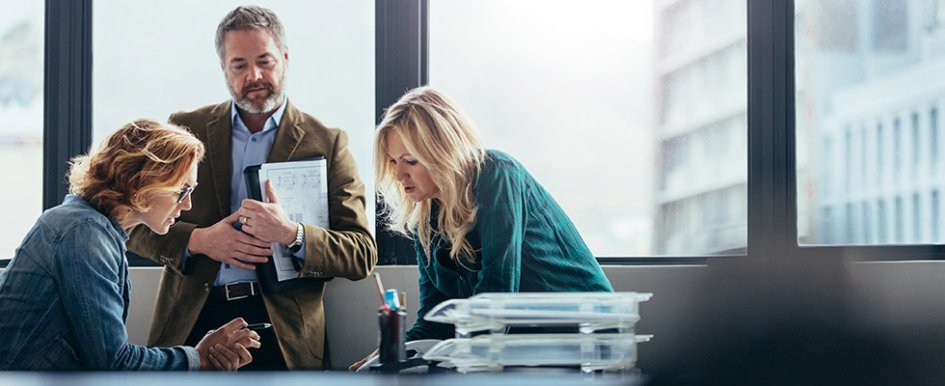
(247, 149)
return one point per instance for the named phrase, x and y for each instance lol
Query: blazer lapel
(288, 137)
(219, 144)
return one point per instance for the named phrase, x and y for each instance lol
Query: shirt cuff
(193, 358)
(298, 259)
(186, 258)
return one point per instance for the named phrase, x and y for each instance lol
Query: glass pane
(21, 111)
(157, 65)
(869, 95)
(631, 113)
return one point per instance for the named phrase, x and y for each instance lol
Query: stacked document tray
(605, 337)
(492, 352)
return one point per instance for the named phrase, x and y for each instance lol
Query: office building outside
(701, 192)
(870, 97)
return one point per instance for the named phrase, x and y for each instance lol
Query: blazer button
(206, 287)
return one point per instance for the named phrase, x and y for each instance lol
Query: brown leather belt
(234, 291)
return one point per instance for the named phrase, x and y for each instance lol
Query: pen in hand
(258, 326)
(254, 327)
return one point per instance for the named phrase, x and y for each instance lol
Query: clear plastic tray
(591, 352)
(590, 311)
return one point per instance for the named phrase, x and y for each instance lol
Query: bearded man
(210, 254)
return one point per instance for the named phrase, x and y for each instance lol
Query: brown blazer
(345, 250)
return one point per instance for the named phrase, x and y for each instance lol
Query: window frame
(67, 106)
(401, 63)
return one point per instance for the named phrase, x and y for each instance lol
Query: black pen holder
(392, 325)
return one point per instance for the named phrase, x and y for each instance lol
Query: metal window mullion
(772, 185)
(67, 122)
(401, 45)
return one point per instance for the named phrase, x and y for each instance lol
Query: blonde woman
(64, 296)
(480, 222)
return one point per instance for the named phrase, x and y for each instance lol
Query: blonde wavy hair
(436, 131)
(138, 159)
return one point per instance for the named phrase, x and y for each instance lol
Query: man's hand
(223, 243)
(267, 221)
(226, 348)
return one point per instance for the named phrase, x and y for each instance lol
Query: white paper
(302, 190)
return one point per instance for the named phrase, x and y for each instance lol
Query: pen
(258, 326)
(380, 287)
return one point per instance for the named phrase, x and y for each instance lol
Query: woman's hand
(224, 359)
(226, 347)
(360, 363)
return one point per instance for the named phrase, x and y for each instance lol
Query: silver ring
(244, 220)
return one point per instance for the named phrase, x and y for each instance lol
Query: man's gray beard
(269, 105)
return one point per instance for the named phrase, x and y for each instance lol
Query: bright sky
(568, 88)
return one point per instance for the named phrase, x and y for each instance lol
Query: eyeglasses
(186, 191)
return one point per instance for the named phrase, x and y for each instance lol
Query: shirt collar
(72, 199)
(275, 118)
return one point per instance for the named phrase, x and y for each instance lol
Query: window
(916, 218)
(899, 221)
(827, 188)
(677, 154)
(884, 87)
(916, 139)
(864, 153)
(897, 149)
(880, 149)
(568, 88)
(21, 111)
(848, 156)
(145, 69)
(830, 18)
(849, 233)
(697, 57)
(933, 140)
(866, 222)
(890, 24)
(826, 226)
(936, 226)
(883, 230)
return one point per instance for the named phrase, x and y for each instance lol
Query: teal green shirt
(524, 242)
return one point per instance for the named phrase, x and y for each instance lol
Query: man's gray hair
(245, 18)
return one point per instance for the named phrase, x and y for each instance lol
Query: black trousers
(217, 312)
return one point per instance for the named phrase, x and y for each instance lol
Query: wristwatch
(296, 245)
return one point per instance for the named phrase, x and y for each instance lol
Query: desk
(307, 378)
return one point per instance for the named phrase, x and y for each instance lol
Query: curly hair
(138, 159)
(436, 131)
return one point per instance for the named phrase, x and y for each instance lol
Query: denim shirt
(524, 242)
(64, 299)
